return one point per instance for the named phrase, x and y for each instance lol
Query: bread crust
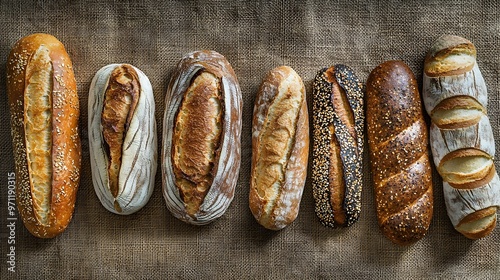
(65, 141)
(338, 141)
(397, 138)
(445, 47)
(196, 139)
(122, 135)
(461, 136)
(486, 218)
(280, 107)
(224, 173)
(441, 117)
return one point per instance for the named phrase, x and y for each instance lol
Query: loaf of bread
(280, 149)
(400, 165)
(122, 137)
(201, 138)
(44, 120)
(338, 140)
(461, 137)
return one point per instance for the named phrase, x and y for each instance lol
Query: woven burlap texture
(255, 36)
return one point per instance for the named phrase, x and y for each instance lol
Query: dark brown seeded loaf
(338, 139)
(397, 139)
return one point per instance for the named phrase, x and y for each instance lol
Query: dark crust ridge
(351, 150)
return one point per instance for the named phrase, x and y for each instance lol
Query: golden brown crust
(120, 99)
(485, 216)
(196, 139)
(397, 138)
(466, 180)
(450, 55)
(280, 146)
(336, 181)
(65, 140)
(459, 101)
(443, 119)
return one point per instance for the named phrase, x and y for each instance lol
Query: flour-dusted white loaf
(122, 137)
(461, 137)
(280, 148)
(201, 138)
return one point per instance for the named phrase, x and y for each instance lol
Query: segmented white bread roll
(122, 138)
(462, 143)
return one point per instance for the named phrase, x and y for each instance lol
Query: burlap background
(255, 36)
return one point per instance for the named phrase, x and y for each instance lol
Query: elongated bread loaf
(44, 120)
(397, 138)
(280, 149)
(122, 138)
(461, 137)
(338, 141)
(201, 138)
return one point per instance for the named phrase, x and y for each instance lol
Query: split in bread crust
(196, 139)
(457, 112)
(38, 129)
(120, 100)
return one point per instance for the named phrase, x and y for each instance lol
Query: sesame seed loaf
(338, 141)
(122, 137)
(201, 138)
(400, 165)
(44, 119)
(280, 148)
(461, 136)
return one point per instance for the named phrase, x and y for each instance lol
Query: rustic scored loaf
(201, 138)
(338, 141)
(122, 137)
(461, 137)
(397, 139)
(44, 119)
(280, 148)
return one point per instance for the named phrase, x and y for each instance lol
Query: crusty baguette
(201, 138)
(122, 137)
(461, 137)
(397, 139)
(280, 149)
(44, 121)
(338, 140)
